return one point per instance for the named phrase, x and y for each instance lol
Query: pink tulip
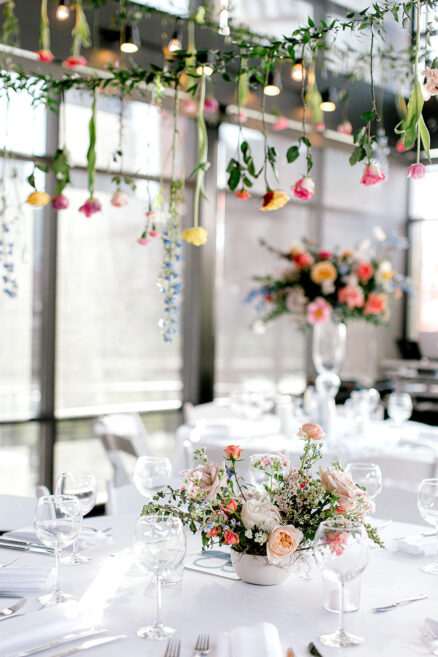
(416, 171)
(119, 199)
(91, 206)
(372, 174)
(318, 311)
(304, 188)
(281, 123)
(60, 202)
(74, 60)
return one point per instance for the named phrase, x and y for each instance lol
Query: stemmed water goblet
(341, 552)
(399, 408)
(367, 476)
(83, 486)
(159, 547)
(427, 500)
(151, 473)
(57, 522)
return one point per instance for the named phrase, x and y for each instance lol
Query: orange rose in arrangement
(323, 271)
(283, 542)
(230, 538)
(274, 200)
(376, 303)
(303, 260)
(232, 451)
(230, 507)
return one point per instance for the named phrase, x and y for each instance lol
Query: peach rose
(376, 303)
(255, 513)
(232, 451)
(283, 542)
(311, 431)
(341, 484)
(207, 480)
(230, 507)
(352, 296)
(230, 538)
(303, 260)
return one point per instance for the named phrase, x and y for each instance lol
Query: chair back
(16, 512)
(123, 500)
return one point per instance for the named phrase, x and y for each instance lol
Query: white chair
(123, 500)
(122, 434)
(16, 512)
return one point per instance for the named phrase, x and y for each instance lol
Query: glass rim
(52, 498)
(362, 464)
(429, 480)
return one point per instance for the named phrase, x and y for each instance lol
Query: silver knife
(421, 596)
(20, 541)
(67, 638)
(90, 643)
(26, 548)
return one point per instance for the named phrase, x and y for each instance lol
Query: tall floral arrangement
(350, 284)
(275, 519)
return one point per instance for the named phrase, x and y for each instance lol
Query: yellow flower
(196, 236)
(323, 271)
(38, 198)
(274, 200)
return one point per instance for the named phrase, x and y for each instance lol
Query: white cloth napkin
(260, 640)
(43, 626)
(417, 545)
(87, 538)
(26, 580)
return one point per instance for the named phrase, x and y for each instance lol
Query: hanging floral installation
(250, 63)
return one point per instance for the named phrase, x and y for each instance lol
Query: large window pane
(18, 458)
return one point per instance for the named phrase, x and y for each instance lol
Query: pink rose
(365, 271)
(303, 260)
(376, 303)
(143, 240)
(416, 171)
(232, 451)
(304, 188)
(207, 480)
(60, 202)
(91, 206)
(211, 105)
(352, 295)
(281, 123)
(341, 484)
(119, 199)
(372, 174)
(318, 311)
(345, 128)
(283, 542)
(74, 60)
(311, 431)
(230, 538)
(324, 255)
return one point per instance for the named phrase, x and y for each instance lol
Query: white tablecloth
(206, 603)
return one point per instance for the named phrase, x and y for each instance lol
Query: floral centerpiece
(270, 524)
(344, 284)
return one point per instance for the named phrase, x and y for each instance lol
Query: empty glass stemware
(57, 522)
(368, 476)
(427, 500)
(83, 486)
(399, 407)
(159, 547)
(341, 552)
(152, 473)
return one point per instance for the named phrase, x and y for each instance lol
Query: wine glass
(57, 522)
(159, 547)
(427, 501)
(341, 552)
(83, 486)
(368, 476)
(399, 407)
(151, 473)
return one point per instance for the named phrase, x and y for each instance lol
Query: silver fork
(202, 646)
(173, 648)
(9, 611)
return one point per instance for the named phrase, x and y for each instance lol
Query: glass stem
(436, 559)
(157, 622)
(75, 547)
(341, 629)
(57, 589)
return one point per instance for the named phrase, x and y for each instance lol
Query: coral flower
(91, 206)
(376, 303)
(304, 188)
(230, 538)
(60, 202)
(365, 271)
(243, 194)
(352, 296)
(213, 531)
(303, 260)
(119, 199)
(416, 171)
(274, 200)
(39, 199)
(311, 431)
(232, 451)
(281, 123)
(211, 105)
(318, 311)
(45, 55)
(345, 128)
(372, 174)
(283, 542)
(196, 235)
(154, 233)
(144, 240)
(323, 271)
(230, 507)
(74, 60)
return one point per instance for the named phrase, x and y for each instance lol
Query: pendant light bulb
(272, 87)
(130, 39)
(328, 101)
(62, 10)
(297, 71)
(175, 42)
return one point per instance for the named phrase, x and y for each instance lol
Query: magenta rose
(91, 206)
(60, 202)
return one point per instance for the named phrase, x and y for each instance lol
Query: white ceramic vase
(255, 569)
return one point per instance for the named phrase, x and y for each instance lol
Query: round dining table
(123, 598)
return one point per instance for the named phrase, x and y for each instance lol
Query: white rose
(255, 513)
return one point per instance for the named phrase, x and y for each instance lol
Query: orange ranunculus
(323, 271)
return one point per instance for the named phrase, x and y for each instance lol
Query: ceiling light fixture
(204, 67)
(297, 71)
(62, 10)
(328, 103)
(272, 87)
(130, 39)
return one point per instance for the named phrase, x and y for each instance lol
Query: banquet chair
(122, 434)
(123, 499)
(16, 512)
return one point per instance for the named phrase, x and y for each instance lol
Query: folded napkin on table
(417, 545)
(26, 580)
(40, 627)
(87, 538)
(260, 640)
